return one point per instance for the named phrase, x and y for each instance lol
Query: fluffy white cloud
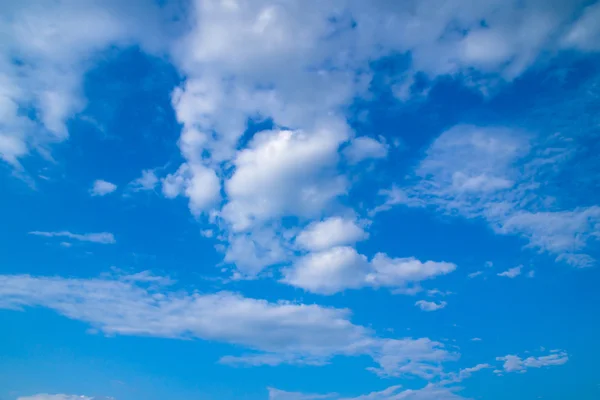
(364, 148)
(514, 363)
(102, 237)
(332, 232)
(102, 188)
(275, 333)
(496, 174)
(342, 267)
(512, 272)
(430, 305)
(285, 173)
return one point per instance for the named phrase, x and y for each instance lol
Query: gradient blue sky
(294, 200)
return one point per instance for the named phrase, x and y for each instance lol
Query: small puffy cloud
(147, 181)
(430, 305)
(513, 363)
(102, 237)
(512, 273)
(334, 231)
(531, 274)
(364, 148)
(340, 268)
(475, 274)
(102, 188)
(476, 339)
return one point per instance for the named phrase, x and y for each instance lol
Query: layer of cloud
(272, 333)
(102, 237)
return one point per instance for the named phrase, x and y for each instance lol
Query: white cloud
(475, 274)
(429, 392)
(102, 237)
(475, 339)
(364, 148)
(102, 188)
(197, 182)
(332, 232)
(514, 363)
(430, 305)
(56, 397)
(53, 46)
(342, 267)
(531, 274)
(512, 272)
(285, 173)
(147, 181)
(494, 174)
(274, 333)
(584, 34)
(276, 394)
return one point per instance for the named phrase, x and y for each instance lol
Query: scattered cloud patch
(148, 181)
(365, 148)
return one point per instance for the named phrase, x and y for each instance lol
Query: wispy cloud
(102, 237)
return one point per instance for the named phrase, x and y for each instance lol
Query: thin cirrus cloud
(101, 238)
(513, 363)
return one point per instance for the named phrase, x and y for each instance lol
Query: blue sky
(293, 200)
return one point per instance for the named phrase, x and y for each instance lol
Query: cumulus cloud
(102, 237)
(102, 188)
(513, 363)
(512, 272)
(332, 232)
(342, 267)
(430, 305)
(273, 333)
